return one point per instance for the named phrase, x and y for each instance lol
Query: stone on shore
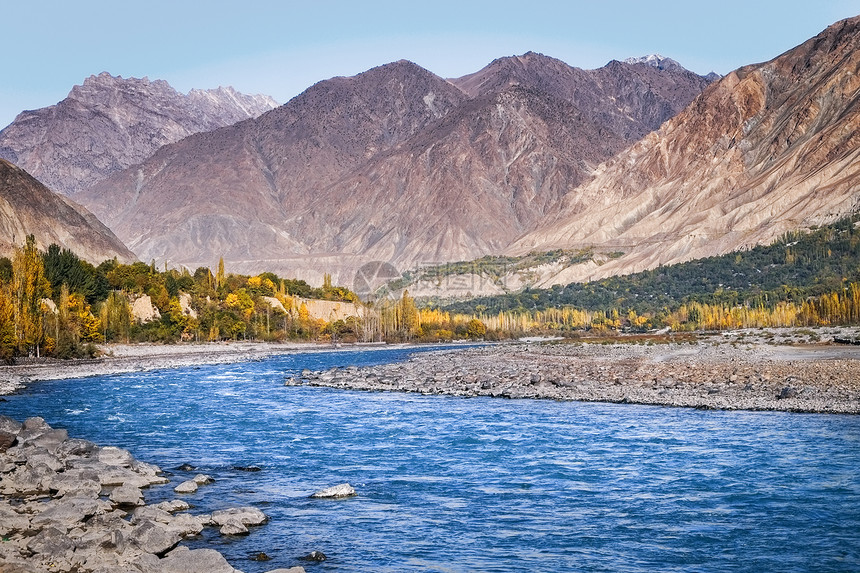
(6, 440)
(189, 486)
(152, 537)
(126, 495)
(184, 560)
(335, 492)
(11, 521)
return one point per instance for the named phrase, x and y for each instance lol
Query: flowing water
(480, 484)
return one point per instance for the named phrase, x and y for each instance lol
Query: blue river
(477, 484)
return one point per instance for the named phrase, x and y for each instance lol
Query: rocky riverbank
(69, 505)
(714, 373)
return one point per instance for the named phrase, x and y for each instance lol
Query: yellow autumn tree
(8, 342)
(29, 287)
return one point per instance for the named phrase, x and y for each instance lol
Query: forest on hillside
(804, 278)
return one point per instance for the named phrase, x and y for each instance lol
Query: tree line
(802, 279)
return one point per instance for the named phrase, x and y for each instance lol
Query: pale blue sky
(281, 47)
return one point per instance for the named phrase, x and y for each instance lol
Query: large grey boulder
(76, 483)
(234, 527)
(244, 515)
(184, 560)
(335, 492)
(189, 486)
(6, 440)
(75, 447)
(10, 426)
(113, 456)
(151, 537)
(28, 480)
(51, 440)
(66, 513)
(51, 543)
(11, 521)
(127, 494)
(47, 459)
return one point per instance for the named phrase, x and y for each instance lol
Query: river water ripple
(478, 484)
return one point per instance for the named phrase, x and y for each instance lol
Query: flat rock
(172, 506)
(152, 537)
(335, 492)
(183, 560)
(12, 521)
(244, 515)
(67, 513)
(113, 456)
(202, 479)
(51, 543)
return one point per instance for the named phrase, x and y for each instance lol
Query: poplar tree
(219, 277)
(29, 287)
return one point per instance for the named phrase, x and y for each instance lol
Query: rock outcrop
(29, 208)
(110, 123)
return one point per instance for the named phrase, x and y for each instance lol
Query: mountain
(630, 99)
(463, 186)
(393, 164)
(230, 192)
(28, 207)
(769, 148)
(110, 123)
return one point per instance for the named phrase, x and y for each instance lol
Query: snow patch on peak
(657, 61)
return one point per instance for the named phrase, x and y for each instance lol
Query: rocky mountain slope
(769, 148)
(394, 164)
(630, 99)
(110, 123)
(29, 208)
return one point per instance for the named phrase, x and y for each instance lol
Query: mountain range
(394, 164)
(110, 123)
(770, 148)
(639, 163)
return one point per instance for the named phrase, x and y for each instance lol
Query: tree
(219, 278)
(8, 342)
(408, 315)
(476, 329)
(29, 287)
